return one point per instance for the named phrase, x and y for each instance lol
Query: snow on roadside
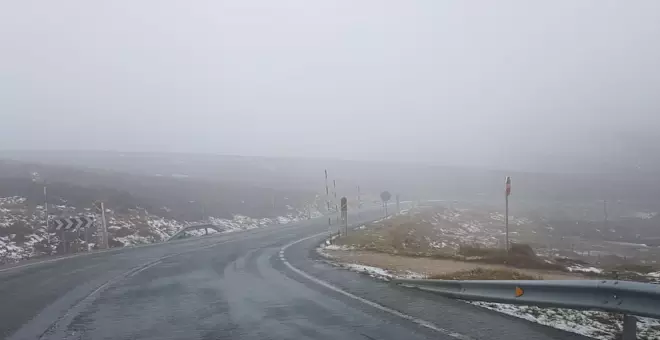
(374, 272)
(583, 269)
(599, 325)
(135, 227)
(336, 247)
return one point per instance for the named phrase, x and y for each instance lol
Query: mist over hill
(209, 177)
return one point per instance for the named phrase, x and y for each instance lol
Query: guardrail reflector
(519, 292)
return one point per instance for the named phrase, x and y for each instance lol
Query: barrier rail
(628, 298)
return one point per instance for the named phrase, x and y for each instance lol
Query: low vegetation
(519, 256)
(485, 274)
(406, 236)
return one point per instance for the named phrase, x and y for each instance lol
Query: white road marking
(57, 329)
(378, 306)
(114, 250)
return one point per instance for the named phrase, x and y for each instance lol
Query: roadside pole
(334, 191)
(507, 193)
(327, 198)
(344, 214)
(359, 202)
(47, 224)
(87, 238)
(506, 222)
(629, 327)
(105, 227)
(64, 241)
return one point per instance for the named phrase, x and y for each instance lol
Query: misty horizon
(558, 86)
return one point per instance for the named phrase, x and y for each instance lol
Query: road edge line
(373, 304)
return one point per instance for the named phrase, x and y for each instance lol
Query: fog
(525, 85)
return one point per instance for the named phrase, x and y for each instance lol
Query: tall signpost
(344, 214)
(359, 202)
(47, 220)
(100, 209)
(334, 191)
(327, 198)
(507, 193)
(105, 228)
(385, 197)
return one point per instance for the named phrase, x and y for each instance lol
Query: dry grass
(485, 274)
(415, 237)
(399, 235)
(409, 237)
(632, 267)
(429, 266)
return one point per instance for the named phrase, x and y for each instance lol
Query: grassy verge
(485, 274)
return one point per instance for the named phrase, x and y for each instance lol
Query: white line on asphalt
(56, 328)
(114, 250)
(420, 322)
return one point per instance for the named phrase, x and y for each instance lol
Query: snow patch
(583, 269)
(599, 325)
(336, 247)
(369, 270)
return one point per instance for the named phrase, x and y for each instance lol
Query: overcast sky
(500, 84)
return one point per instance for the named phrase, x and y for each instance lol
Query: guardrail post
(629, 327)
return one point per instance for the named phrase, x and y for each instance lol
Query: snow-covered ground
(23, 234)
(598, 325)
(584, 269)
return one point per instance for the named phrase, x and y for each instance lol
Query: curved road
(259, 284)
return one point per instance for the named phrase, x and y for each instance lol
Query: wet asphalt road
(233, 286)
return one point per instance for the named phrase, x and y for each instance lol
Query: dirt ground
(430, 266)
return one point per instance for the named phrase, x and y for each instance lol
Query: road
(260, 284)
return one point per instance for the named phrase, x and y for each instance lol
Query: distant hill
(181, 198)
(638, 190)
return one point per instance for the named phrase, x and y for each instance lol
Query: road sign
(385, 197)
(344, 204)
(72, 223)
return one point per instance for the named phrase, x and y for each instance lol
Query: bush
(520, 256)
(521, 249)
(633, 267)
(477, 251)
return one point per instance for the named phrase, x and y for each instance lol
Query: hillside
(139, 209)
(411, 180)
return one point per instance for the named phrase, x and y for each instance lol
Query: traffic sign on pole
(72, 223)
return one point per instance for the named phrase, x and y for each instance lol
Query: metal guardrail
(194, 226)
(628, 298)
